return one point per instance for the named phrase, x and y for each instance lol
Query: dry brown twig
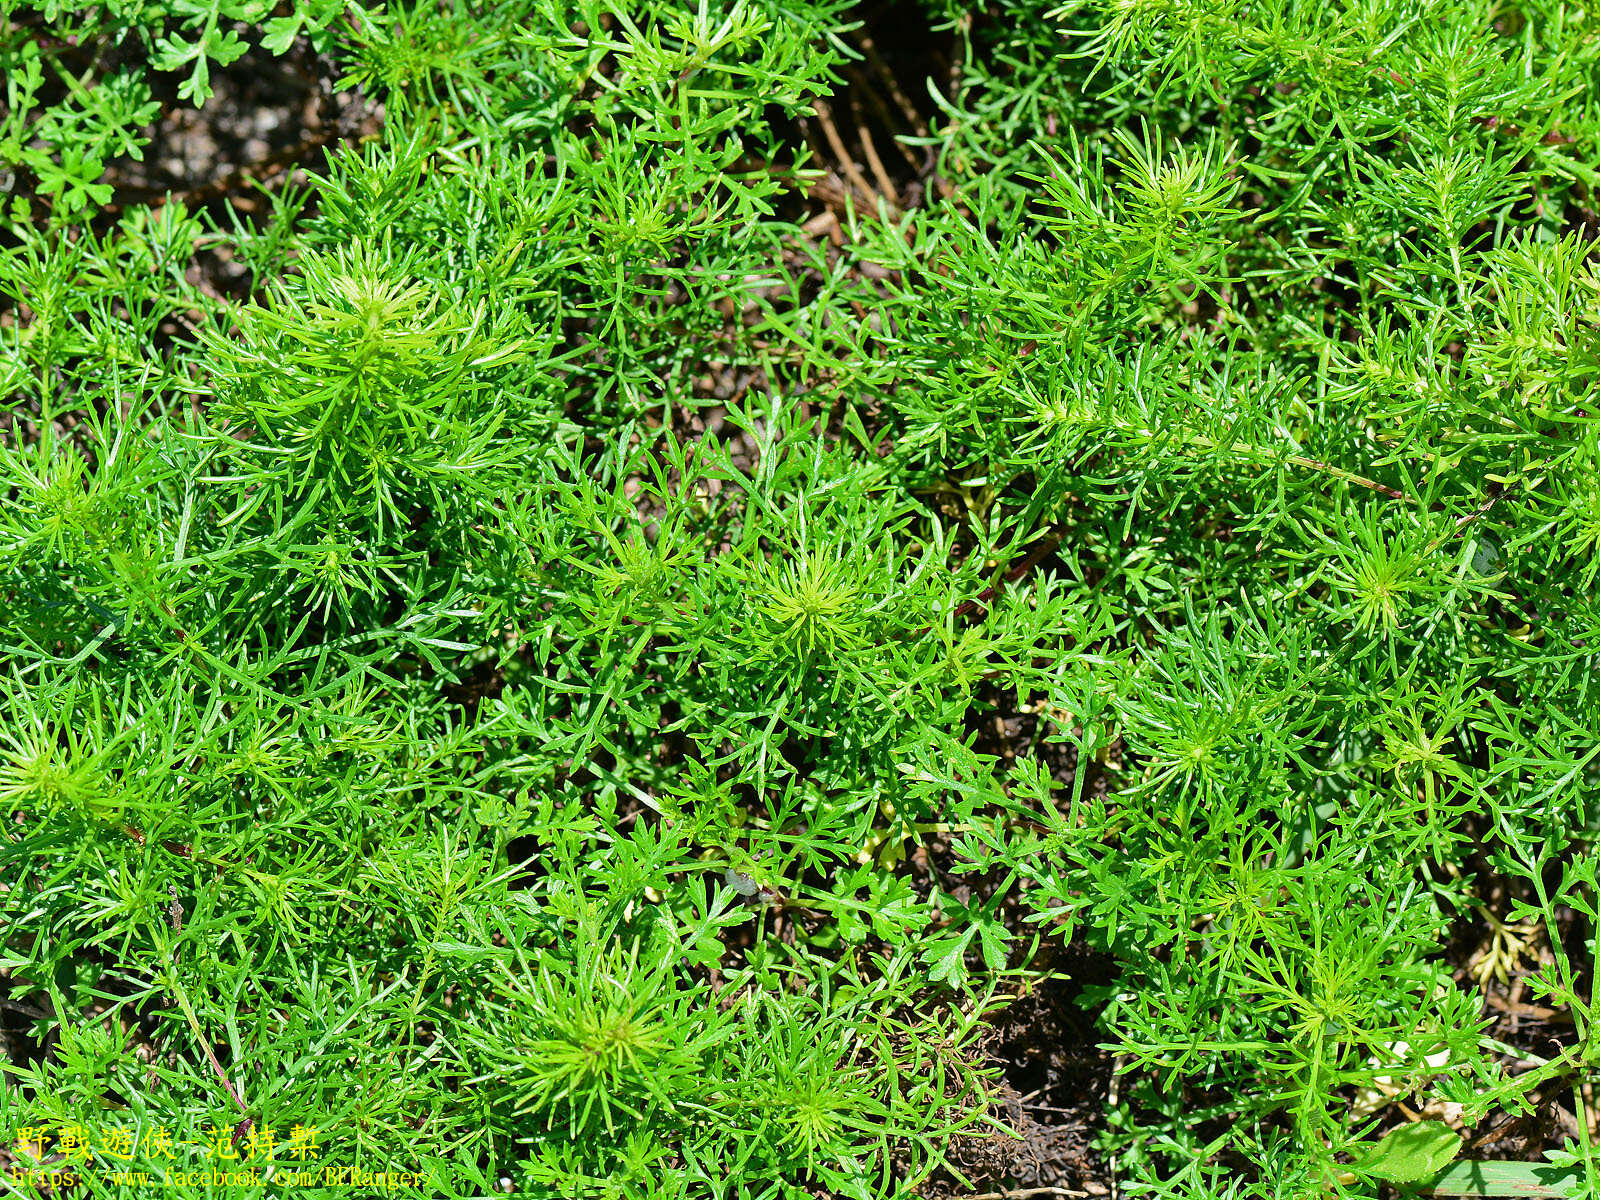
(846, 163)
(864, 135)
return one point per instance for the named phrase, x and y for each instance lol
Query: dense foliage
(441, 710)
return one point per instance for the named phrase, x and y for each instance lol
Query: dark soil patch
(1053, 1086)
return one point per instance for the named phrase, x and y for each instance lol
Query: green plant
(560, 673)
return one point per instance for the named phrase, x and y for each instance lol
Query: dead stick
(864, 86)
(852, 172)
(902, 101)
(885, 184)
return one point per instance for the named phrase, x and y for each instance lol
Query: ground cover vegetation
(800, 599)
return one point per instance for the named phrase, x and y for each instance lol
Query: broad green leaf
(1411, 1153)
